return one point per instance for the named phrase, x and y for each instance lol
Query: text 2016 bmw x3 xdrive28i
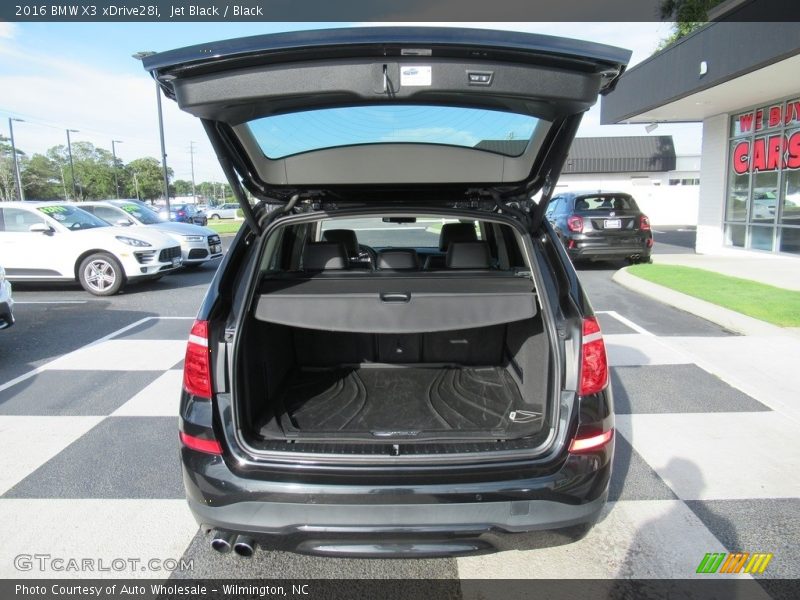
(399, 358)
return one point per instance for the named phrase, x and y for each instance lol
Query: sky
(58, 76)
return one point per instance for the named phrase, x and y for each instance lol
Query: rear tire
(101, 274)
(214, 217)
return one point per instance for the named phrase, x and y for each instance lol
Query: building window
(763, 190)
(674, 181)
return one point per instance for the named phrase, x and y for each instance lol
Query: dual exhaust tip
(224, 541)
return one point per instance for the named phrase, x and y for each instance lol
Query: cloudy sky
(81, 76)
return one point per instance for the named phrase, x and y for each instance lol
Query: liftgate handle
(395, 297)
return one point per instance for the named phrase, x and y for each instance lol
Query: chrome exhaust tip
(222, 541)
(244, 546)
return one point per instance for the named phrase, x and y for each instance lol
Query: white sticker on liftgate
(415, 75)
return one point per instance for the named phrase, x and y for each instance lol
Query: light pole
(114, 154)
(18, 179)
(142, 56)
(71, 165)
(191, 157)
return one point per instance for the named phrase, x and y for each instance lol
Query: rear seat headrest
(468, 255)
(343, 236)
(320, 256)
(398, 259)
(456, 232)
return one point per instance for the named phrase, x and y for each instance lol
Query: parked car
(224, 211)
(6, 301)
(601, 225)
(444, 396)
(57, 241)
(184, 213)
(198, 244)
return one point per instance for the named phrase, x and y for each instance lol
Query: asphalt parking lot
(89, 442)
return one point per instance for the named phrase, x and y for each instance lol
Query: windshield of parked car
(492, 130)
(378, 232)
(141, 213)
(71, 217)
(609, 202)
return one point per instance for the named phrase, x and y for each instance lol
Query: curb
(729, 319)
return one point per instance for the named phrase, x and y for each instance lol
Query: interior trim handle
(395, 297)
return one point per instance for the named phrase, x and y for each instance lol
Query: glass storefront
(762, 205)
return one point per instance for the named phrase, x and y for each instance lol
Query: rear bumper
(587, 248)
(403, 519)
(405, 530)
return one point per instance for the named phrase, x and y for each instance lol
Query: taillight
(181, 213)
(590, 444)
(200, 444)
(644, 223)
(575, 223)
(197, 363)
(594, 364)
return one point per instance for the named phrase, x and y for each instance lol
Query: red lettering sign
(775, 145)
(774, 118)
(792, 112)
(767, 154)
(759, 120)
(746, 122)
(793, 146)
(741, 158)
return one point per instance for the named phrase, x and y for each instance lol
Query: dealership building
(742, 81)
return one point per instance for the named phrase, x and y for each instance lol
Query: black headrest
(456, 232)
(319, 256)
(468, 255)
(343, 236)
(398, 259)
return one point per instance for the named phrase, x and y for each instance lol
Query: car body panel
(40, 256)
(607, 233)
(198, 244)
(434, 502)
(6, 301)
(226, 211)
(553, 79)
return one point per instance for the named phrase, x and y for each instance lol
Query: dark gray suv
(395, 356)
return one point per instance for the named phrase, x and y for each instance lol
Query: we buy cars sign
(769, 152)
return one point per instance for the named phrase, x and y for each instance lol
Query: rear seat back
(324, 256)
(451, 233)
(398, 259)
(468, 255)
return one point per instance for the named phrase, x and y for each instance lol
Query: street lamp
(114, 154)
(20, 191)
(142, 56)
(71, 165)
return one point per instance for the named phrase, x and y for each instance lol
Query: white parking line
(627, 322)
(41, 368)
(17, 303)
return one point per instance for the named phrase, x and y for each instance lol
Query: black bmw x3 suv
(395, 357)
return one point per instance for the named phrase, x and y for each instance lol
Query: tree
(182, 187)
(42, 179)
(94, 170)
(688, 16)
(145, 179)
(8, 185)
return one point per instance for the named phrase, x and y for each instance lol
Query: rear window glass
(605, 203)
(495, 131)
(422, 232)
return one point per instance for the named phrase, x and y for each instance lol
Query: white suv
(198, 244)
(57, 241)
